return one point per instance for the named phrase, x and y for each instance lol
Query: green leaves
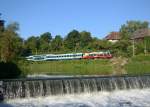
(32, 43)
(44, 41)
(127, 29)
(10, 43)
(72, 39)
(57, 43)
(85, 38)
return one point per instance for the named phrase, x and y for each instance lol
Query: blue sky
(61, 16)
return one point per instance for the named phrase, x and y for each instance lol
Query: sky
(59, 17)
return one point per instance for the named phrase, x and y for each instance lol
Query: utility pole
(145, 44)
(133, 47)
(145, 51)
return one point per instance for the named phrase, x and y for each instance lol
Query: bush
(9, 70)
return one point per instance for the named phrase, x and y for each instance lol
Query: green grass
(71, 67)
(138, 65)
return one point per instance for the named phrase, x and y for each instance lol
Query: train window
(92, 55)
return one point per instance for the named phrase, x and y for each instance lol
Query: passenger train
(70, 56)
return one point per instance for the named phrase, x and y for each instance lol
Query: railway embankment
(137, 65)
(115, 66)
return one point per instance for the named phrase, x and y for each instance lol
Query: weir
(21, 88)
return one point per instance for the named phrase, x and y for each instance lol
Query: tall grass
(72, 67)
(138, 65)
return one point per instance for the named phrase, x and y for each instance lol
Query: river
(117, 98)
(124, 91)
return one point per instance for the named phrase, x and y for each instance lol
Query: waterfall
(21, 88)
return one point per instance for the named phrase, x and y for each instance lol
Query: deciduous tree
(72, 40)
(45, 40)
(85, 39)
(10, 43)
(32, 43)
(127, 29)
(57, 43)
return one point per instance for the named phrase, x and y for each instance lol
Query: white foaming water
(124, 98)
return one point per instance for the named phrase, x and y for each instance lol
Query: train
(70, 56)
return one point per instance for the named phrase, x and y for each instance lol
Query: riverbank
(137, 65)
(71, 67)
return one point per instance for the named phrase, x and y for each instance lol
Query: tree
(127, 29)
(32, 43)
(57, 43)
(9, 70)
(98, 44)
(13, 27)
(122, 47)
(72, 40)
(126, 32)
(45, 40)
(85, 39)
(10, 43)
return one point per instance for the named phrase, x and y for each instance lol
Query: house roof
(141, 33)
(113, 36)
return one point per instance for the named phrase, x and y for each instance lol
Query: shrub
(9, 70)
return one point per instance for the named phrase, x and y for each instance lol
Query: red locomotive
(97, 55)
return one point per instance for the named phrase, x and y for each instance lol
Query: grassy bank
(138, 65)
(71, 67)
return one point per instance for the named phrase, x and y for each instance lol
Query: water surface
(117, 98)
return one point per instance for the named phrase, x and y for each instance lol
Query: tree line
(13, 46)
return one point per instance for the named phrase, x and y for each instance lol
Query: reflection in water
(124, 98)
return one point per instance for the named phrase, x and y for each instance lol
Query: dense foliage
(12, 45)
(125, 45)
(74, 41)
(83, 41)
(9, 70)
